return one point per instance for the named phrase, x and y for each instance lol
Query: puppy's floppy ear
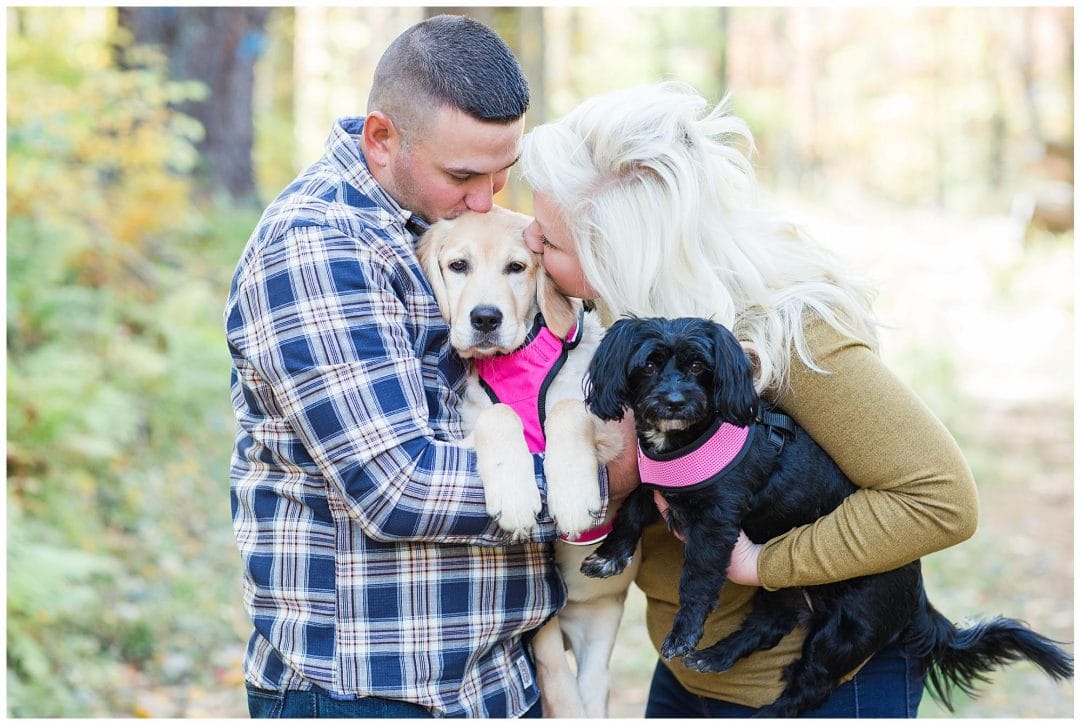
(608, 385)
(427, 252)
(733, 379)
(560, 312)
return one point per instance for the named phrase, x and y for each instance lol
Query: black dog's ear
(607, 390)
(733, 379)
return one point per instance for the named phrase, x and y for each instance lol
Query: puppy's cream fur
(480, 261)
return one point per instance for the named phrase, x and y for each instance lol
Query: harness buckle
(775, 437)
(778, 426)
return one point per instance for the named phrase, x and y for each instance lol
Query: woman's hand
(744, 561)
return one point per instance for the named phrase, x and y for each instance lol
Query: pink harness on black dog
(520, 379)
(701, 463)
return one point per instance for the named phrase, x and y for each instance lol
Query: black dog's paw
(676, 646)
(598, 567)
(706, 661)
(686, 632)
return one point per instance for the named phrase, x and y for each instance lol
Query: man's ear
(428, 253)
(381, 139)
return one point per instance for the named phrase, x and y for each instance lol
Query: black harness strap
(778, 426)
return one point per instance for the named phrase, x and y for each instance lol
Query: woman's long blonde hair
(662, 203)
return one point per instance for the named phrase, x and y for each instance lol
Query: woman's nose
(532, 238)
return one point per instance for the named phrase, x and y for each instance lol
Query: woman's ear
(560, 312)
(734, 396)
(427, 252)
(608, 383)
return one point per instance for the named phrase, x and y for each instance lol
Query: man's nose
(481, 197)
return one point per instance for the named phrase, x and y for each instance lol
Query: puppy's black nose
(486, 318)
(675, 401)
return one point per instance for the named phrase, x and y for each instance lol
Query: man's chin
(454, 214)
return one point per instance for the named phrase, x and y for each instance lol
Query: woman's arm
(917, 494)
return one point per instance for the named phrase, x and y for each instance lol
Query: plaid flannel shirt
(370, 564)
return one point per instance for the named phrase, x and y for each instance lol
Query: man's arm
(623, 475)
(327, 328)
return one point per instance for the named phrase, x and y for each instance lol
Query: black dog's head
(677, 376)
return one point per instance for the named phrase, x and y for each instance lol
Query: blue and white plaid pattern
(370, 564)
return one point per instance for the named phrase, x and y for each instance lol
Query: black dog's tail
(955, 657)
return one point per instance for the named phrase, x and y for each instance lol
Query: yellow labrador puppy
(491, 288)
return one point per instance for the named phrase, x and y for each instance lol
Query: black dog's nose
(675, 400)
(486, 318)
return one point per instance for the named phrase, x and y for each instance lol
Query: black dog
(689, 381)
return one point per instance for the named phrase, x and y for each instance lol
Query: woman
(645, 203)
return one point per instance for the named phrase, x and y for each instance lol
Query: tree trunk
(217, 46)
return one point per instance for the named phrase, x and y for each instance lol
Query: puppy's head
(675, 375)
(488, 284)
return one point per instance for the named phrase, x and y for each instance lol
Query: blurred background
(931, 147)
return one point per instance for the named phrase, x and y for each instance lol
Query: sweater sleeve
(917, 493)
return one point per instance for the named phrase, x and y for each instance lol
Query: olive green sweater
(916, 496)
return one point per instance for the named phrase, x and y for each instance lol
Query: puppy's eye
(458, 265)
(697, 367)
(649, 368)
(516, 268)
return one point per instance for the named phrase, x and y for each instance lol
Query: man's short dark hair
(449, 60)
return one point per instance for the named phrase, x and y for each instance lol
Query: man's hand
(623, 475)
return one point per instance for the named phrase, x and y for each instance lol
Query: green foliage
(123, 579)
(119, 540)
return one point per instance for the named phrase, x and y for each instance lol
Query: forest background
(932, 147)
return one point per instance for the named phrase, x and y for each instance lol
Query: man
(376, 582)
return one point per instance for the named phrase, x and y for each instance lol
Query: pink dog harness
(702, 463)
(521, 378)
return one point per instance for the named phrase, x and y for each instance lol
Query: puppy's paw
(674, 646)
(682, 639)
(599, 567)
(514, 506)
(573, 498)
(571, 468)
(706, 661)
(506, 470)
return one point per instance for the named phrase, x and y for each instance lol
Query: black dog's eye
(516, 268)
(649, 368)
(458, 265)
(697, 367)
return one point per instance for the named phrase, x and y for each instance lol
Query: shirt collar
(343, 149)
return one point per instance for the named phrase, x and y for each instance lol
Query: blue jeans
(889, 685)
(316, 703)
